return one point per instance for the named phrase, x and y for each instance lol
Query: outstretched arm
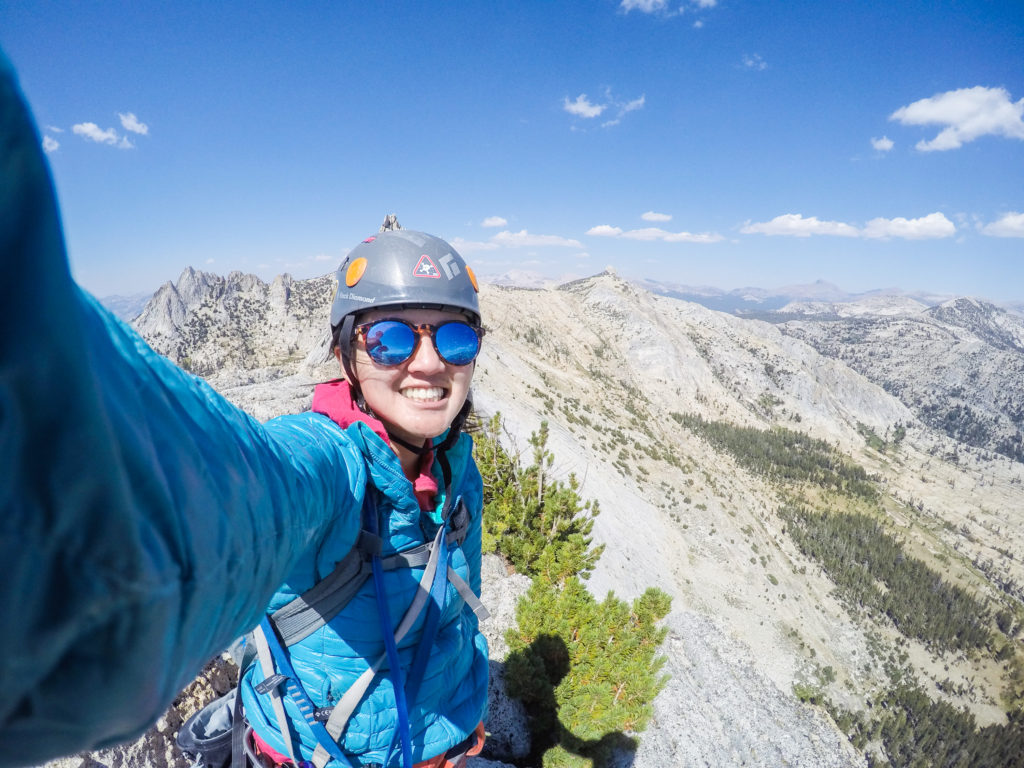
(144, 521)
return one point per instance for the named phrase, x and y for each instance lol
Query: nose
(425, 358)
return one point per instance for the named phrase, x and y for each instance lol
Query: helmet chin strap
(427, 447)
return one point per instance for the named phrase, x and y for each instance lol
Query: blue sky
(870, 144)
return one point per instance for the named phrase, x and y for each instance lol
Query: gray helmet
(404, 268)
(400, 268)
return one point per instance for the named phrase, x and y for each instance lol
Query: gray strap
(267, 666)
(311, 610)
(347, 705)
(468, 595)
(314, 608)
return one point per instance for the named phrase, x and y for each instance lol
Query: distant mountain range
(925, 392)
(739, 301)
(751, 300)
(746, 301)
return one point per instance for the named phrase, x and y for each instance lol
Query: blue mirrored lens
(457, 343)
(390, 342)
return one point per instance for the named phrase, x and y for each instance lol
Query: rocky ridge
(605, 363)
(958, 366)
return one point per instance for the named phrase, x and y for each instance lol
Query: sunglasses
(392, 342)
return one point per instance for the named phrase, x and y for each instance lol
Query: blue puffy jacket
(145, 522)
(450, 700)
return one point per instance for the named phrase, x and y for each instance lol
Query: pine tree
(537, 523)
(587, 671)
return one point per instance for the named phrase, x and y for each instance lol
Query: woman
(145, 522)
(406, 330)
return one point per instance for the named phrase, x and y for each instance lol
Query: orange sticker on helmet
(355, 272)
(472, 279)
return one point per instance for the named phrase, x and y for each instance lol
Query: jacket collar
(334, 400)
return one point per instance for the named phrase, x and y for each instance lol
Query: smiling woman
(405, 324)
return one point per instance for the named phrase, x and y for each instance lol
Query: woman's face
(419, 398)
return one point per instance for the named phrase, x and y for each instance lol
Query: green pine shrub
(587, 671)
(537, 523)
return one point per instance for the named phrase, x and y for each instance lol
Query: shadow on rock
(533, 676)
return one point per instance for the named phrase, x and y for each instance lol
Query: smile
(424, 394)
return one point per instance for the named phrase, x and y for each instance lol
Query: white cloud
(1010, 225)
(131, 123)
(494, 221)
(652, 216)
(50, 144)
(54, 129)
(934, 225)
(582, 107)
(93, 132)
(705, 3)
(605, 230)
(883, 144)
(124, 143)
(644, 6)
(795, 225)
(654, 233)
(698, 24)
(754, 61)
(524, 238)
(967, 113)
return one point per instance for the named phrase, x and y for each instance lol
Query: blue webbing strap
(370, 523)
(438, 593)
(299, 695)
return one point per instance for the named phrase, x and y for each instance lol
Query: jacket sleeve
(144, 521)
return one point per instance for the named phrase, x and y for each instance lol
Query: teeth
(425, 394)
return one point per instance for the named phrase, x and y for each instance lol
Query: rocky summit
(657, 406)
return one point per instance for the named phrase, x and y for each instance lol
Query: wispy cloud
(883, 144)
(54, 129)
(644, 6)
(524, 238)
(110, 136)
(967, 113)
(50, 144)
(662, 6)
(494, 221)
(754, 61)
(625, 108)
(652, 216)
(1009, 225)
(654, 233)
(585, 108)
(131, 123)
(582, 107)
(934, 225)
(93, 132)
